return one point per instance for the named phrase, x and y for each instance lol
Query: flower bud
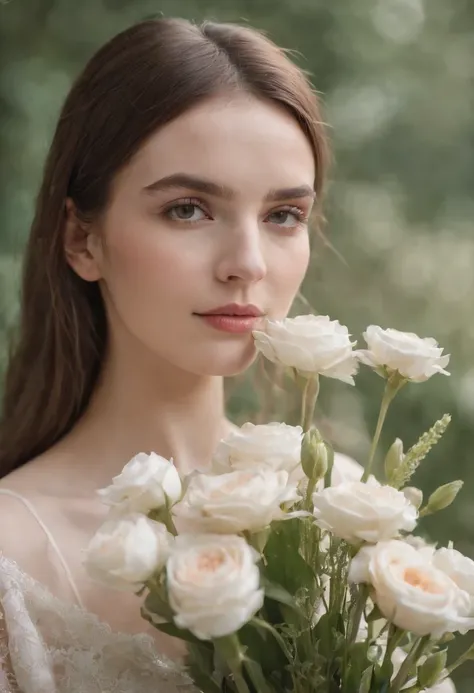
(430, 671)
(414, 495)
(443, 496)
(314, 455)
(394, 458)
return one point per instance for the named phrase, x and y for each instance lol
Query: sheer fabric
(50, 646)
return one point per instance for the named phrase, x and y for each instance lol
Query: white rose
(460, 569)
(345, 469)
(126, 552)
(213, 584)
(147, 482)
(276, 445)
(413, 357)
(370, 512)
(312, 344)
(235, 502)
(410, 591)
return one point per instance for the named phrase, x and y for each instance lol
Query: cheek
(289, 266)
(138, 263)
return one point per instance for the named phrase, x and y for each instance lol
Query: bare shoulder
(23, 503)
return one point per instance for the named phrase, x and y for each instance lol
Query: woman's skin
(211, 211)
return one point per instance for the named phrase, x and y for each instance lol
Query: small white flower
(414, 358)
(147, 482)
(410, 591)
(276, 445)
(213, 584)
(312, 344)
(369, 512)
(125, 552)
(235, 502)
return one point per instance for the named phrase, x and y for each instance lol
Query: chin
(229, 364)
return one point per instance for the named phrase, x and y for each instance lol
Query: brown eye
(287, 218)
(186, 212)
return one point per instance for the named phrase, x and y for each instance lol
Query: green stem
(388, 395)
(465, 657)
(412, 657)
(358, 611)
(229, 650)
(395, 636)
(310, 396)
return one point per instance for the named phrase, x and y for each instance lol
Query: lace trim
(55, 647)
(7, 678)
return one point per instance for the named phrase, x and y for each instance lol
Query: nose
(242, 257)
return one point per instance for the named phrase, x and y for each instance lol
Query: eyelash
(299, 213)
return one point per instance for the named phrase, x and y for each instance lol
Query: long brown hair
(140, 80)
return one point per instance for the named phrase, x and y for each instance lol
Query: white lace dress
(49, 646)
(52, 646)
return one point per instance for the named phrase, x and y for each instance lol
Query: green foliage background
(397, 80)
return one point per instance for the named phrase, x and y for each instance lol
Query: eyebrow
(185, 180)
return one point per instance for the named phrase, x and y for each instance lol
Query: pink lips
(233, 318)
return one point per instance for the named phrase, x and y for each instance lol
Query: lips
(232, 318)
(235, 310)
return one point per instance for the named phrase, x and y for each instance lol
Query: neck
(146, 405)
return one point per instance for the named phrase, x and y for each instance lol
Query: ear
(82, 245)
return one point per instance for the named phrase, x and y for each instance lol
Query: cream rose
(276, 445)
(213, 584)
(413, 357)
(147, 482)
(235, 502)
(410, 591)
(458, 567)
(370, 512)
(312, 344)
(125, 552)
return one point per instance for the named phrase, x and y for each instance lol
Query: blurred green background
(397, 80)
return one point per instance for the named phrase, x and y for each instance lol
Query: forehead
(239, 141)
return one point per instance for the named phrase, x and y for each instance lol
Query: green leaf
(267, 627)
(375, 615)
(430, 671)
(366, 680)
(278, 594)
(200, 666)
(156, 603)
(255, 674)
(175, 632)
(260, 646)
(292, 573)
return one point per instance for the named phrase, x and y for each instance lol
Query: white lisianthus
(460, 569)
(125, 552)
(213, 584)
(312, 344)
(414, 358)
(410, 591)
(147, 482)
(276, 445)
(369, 512)
(235, 502)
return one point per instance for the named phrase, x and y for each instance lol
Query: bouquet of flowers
(281, 574)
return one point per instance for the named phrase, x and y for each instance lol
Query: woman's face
(210, 215)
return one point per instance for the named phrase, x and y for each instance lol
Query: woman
(172, 216)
